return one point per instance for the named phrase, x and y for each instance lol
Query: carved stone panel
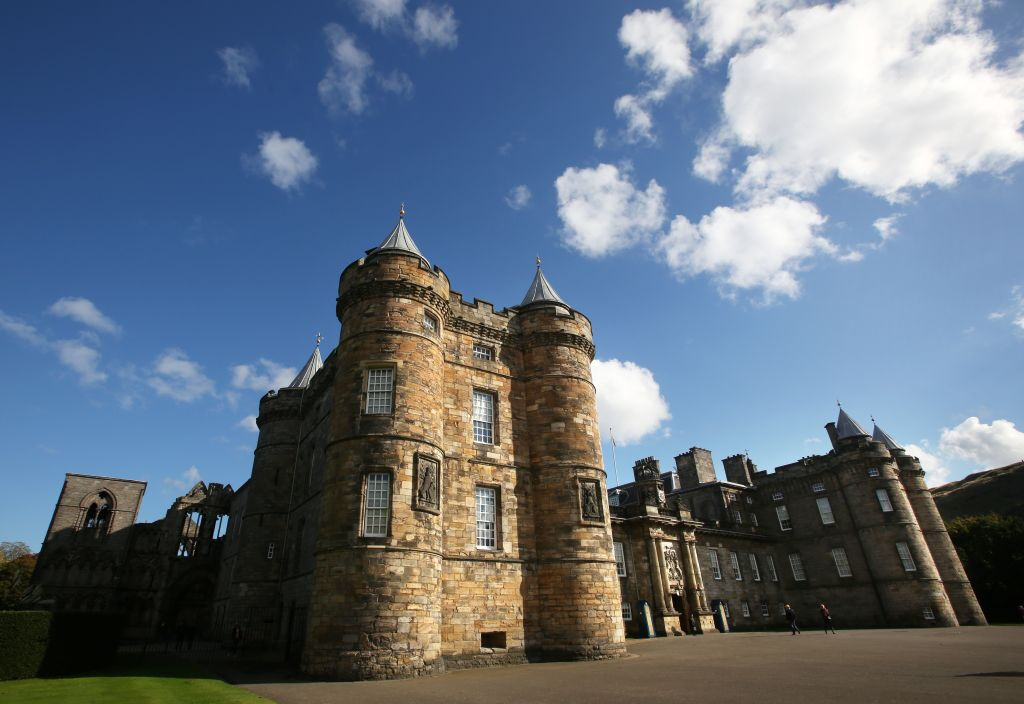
(673, 568)
(590, 500)
(427, 494)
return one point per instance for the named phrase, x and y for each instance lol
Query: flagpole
(615, 461)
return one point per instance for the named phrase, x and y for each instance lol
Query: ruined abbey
(432, 495)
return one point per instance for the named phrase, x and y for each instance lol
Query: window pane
(905, 557)
(753, 567)
(379, 385)
(746, 608)
(620, 559)
(797, 565)
(770, 562)
(883, 500)
(783, 514)
(818, 486)
(825, 510)
(483, 352)
(627, 611)
(842, 564)
(483, 417)
(716, 569)
(486, 507)
(378, 487)
(735, 560)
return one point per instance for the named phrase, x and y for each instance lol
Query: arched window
(103, 516)
(90, 516)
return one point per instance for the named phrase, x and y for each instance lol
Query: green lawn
(157, 682)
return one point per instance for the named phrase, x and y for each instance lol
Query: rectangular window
(873, 472)
(783, 514)
(745, 606)
(379, 389)
(769, 562)
(620, 559)
(735, 560)
(429, 322)
(486, 515)
(842, 564)
(818, 487)
(797, 565)
(782, 609)
(906, 558)
(883, 500)
(483, 417)
(716, 569)
(777, 496)
(753, 520)
(754, 570)
(825, 511)
(378, 490)
(765, 613)
(725, 609)
(627, 611)
(270, 551)
(737, 516)
(928, 614)
(483, 352)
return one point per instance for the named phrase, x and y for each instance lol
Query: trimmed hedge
(80, 642)
(24, 636)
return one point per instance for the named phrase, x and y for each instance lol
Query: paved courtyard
(922, 665)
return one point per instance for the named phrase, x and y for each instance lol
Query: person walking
(826, 617)
(791, 617)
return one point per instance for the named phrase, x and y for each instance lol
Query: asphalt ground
(919, 665)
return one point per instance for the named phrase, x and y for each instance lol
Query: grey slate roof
(847, 427)
(886, 439)
(541, 290)
(313, 365)
(400, 239)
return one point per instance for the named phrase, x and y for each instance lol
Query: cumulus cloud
(603, 212)
(178, 377)
(754, 247)
(238, 63)
(629, 400)
(248, 423)
(82, 359)
(887, 226)
(656, 42)
(380, 14)
(186, 481)
(886, 96)
(936, 471)
(518, 197)
(285, 160)
(265, 374)
(85, 312)
(343, 87)
(435, 26)
(988, 445)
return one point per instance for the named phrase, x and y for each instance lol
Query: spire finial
(538, 261)
(318, 338)
(839, 404)
(873, 419)
(401, 211)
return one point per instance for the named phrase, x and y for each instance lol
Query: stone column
(659, 549)
(702, 596)
(657, 585)
(692, 594)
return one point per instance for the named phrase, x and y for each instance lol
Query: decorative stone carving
(428, 494)
(590, 500)
(672, 566)
(646, 468)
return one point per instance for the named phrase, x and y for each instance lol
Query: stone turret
(577, 585)
(376, 597)
(739, 469)
(695, 468)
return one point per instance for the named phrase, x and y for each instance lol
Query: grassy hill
(999, 490)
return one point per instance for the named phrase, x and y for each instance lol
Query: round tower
(908, 585)
(951, 570)
(577, 583)
(375, 609)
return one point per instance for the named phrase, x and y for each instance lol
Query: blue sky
(762, 207)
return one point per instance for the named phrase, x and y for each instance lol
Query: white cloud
(603, 212)
(265, 374)
(82, 359)
(22, 330)
(435, 26)
(989, 446)
(177, 376)
(84, 311)
(248, 423)
(286, 160)
(189, 478)
(518, 197)
(936, 471)
(380, 14)
(629, 400)
(238, 63)
(343, 87)
(396, 82)
(886, 96)
(655, 41)
(1015, 311)
(887, 226)
(754, 247)
(600, 137)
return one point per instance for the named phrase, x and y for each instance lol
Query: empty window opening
(492, 639)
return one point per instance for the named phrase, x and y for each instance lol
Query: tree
(13, 550)
(14, 580)
(991, 548)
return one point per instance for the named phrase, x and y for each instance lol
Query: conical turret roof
(883, 437)
(400, 239)
(313, 365)
(541, 290)
(847, 427)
